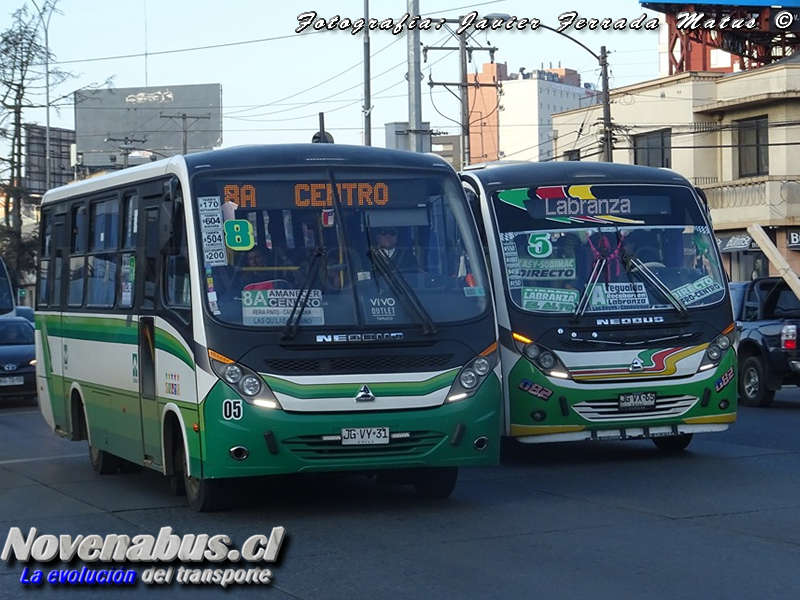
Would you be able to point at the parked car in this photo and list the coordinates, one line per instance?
(26, 312)
(17, 359)
(767, 312)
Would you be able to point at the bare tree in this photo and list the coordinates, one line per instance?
(22, 74)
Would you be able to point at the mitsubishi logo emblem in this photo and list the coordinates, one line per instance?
(636, 365)
(365, 395)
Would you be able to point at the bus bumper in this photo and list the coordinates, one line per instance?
(270, 441)
(544, 409)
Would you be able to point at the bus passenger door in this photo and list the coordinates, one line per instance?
(148, 396)
(52, 335)
(148, 403)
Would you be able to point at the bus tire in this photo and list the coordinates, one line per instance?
(103, 463)
(753, 383)
(176, 479)
(673, 443)
(203, 494)
(436, 482)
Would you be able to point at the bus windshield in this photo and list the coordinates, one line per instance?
(344, 247)
(600, 248)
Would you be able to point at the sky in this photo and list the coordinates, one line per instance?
(275, 82)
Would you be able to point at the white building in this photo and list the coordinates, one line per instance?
(514, 118)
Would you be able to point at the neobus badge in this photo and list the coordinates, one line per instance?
(358, 337)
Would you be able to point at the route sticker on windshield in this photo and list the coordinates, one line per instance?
(210, 212)
(697, 290)
(539, 245)
(546, 268)
(273, 307)
(549, 299)
(620, 296)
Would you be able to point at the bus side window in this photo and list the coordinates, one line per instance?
(130, 225)
(178, 284)
(78, 243)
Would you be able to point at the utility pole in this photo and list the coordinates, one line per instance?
(608, 147)
(185, 126)
(464, 53)
(46, 27)
(464, 94)
(367, 108)
(414, 84)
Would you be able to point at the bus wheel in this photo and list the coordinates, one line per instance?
(103, 463)
(176, 480)
(673, 443)
(203, 494)
(753, 383)
(436, 482)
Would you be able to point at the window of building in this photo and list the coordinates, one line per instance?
(753, 147)
(572, 154)
(653, 149)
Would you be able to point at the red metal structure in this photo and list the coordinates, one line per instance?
(755, 34)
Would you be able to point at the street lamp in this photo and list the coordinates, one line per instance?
(602, 60)
(46, 27)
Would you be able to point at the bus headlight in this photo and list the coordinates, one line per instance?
(468, 378)
(531, 351)
(716, 349)
(246, 382)
(232, 373)
(473, 374)
(545, 360)
(482, 366)
(251, 385)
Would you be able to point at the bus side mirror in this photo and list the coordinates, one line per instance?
(170, 220)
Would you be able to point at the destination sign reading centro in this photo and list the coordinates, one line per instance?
(317, 194)
(350, 194)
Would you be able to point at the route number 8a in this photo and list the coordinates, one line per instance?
(232, 410)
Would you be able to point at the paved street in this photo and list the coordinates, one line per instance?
(611, 521)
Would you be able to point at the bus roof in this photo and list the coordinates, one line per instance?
(570, 172)
(274, 155)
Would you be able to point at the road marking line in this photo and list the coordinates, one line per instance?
(23, 460)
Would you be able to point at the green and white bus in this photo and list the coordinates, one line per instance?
(614, 313)
(231, 314)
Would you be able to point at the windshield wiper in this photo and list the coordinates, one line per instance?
(300, 303)
(644, 271)
(400, 286)
(597, 268)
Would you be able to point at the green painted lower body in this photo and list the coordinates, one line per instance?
(441, 436)
(551, 407)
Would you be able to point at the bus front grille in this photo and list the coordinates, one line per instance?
(599, 411)
(614, 340)
(317, 447)
(359, 364)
